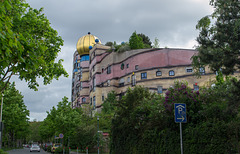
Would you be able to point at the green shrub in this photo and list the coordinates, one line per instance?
(124, 48)
(60, 150)
(49, 148)
(2, 152)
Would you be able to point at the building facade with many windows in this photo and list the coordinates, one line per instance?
(156, 69)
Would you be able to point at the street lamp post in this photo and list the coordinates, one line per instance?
(98, 131)
(1, 125)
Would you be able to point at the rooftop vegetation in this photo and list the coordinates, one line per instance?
(136, 41)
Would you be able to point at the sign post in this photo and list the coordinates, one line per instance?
(180, 116)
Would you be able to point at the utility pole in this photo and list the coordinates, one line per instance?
(1, 124)
(98, 132)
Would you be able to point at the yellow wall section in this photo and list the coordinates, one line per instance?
(85, 76)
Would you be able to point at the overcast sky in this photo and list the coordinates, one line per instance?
(171, 21)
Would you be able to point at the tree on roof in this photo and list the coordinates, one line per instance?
(135, 41)
(146, 40)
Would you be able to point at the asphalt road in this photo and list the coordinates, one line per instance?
(25, 151)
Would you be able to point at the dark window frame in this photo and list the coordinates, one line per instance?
(159, 72)
(109, 69)
(189, 70)
(133, 80)
(144, 75)
(136, 67)
(202, 70)
(102, 98)
(171, 73)
(94, 102)
(159, 91)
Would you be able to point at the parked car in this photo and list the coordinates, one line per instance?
(35, 147)
(55, 146)
(46, 145)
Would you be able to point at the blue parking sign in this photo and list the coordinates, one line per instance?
(180, 112)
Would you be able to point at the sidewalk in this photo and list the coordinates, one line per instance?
(73, 152)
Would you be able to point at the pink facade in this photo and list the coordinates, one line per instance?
(84, 64)
(123, 65)
(145, 60)
(85, 84)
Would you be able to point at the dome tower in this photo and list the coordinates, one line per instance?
(85, 43)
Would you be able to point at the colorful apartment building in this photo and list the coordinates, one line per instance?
(98, 71)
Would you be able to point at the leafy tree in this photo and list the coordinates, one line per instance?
(144, 122)
(64, 120)
(34, 134)
(156, 43)
(219, 42)
(109, 44)
(15, 117)
(48, 127)
(84, 136)
(146, 40)
(135, 41)
(28, 45)
(109, 104)
(126, 125)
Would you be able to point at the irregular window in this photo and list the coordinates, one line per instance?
(171, 73)
(159, 90)
(144, 75)
(133, 80)
(202, 70)
(108, 69)
(136, 67)
(158, 73)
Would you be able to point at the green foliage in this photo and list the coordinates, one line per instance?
(15, 116)
(109, 104)
(49, 148)
(34, 134)
(127, 124)
(109, 44)
(84, 136)
(2, 152)
(156, 43)
(124, 48)
(219, 41)
(146, 40)
(28, 45)
(135, 41)
(118, 47)
(144, 122)
(60, 150)
(64, 120)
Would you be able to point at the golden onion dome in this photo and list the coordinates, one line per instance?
(86, 43)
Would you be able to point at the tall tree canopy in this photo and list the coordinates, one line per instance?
(146, 40)
(15, 116)
(28, 45)
(62, 119)
(135, 41)
(219, 42)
